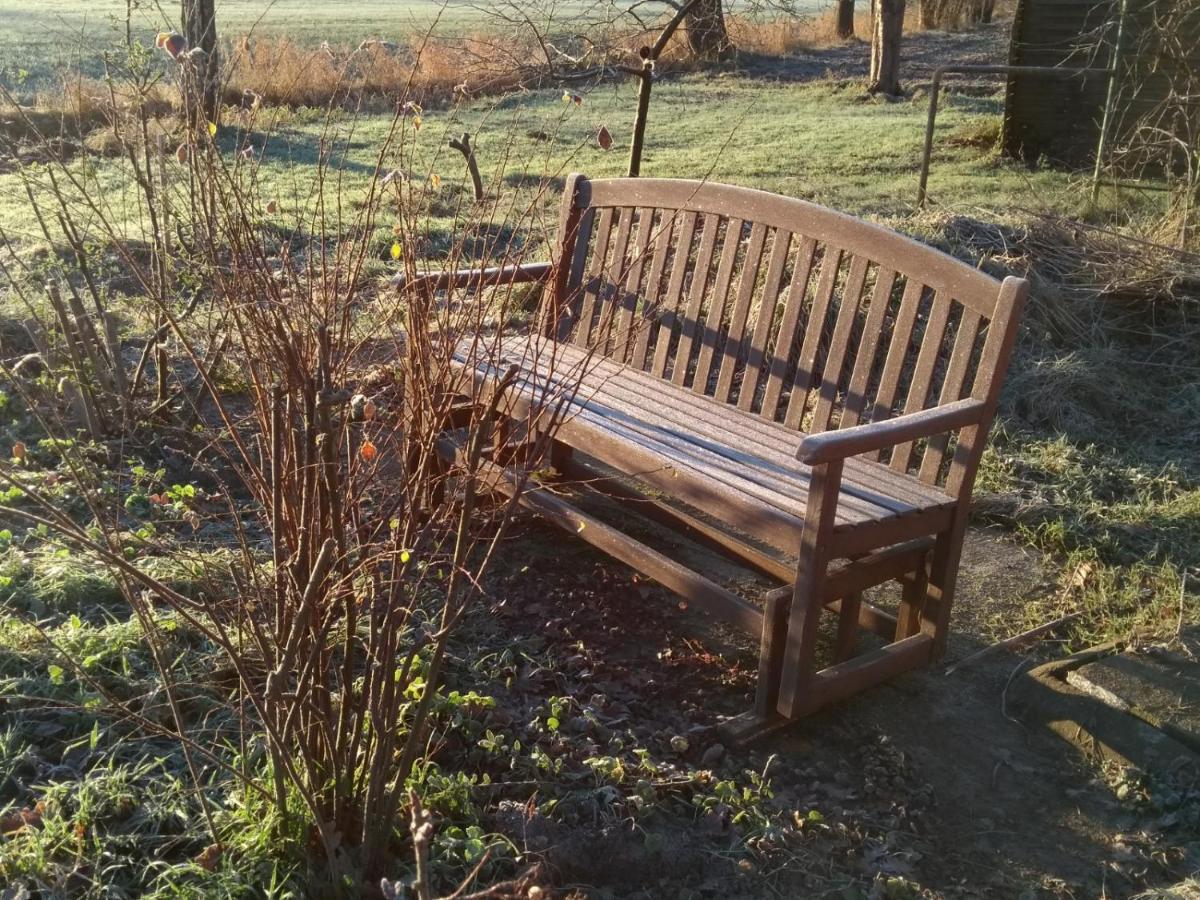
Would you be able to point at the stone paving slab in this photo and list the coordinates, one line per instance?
(1131, 707)
(1158, 686)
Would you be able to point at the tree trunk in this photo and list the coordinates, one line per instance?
(845, 19)
(200, 30)
(886, 34)
(706, 33)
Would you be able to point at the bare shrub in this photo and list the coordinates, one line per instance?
(428, 70)
(1156, 113)
(777, 37)
(350, 550)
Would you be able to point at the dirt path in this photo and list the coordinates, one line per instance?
(922, 782)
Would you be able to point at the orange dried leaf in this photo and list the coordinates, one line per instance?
(368, 451)
(22, 818)
(209, 858)
(19, 450)
(604, 138)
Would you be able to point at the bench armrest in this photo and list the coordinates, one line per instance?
(846, 442)
(525, 273)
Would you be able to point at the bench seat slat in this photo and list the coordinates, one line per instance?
(688, 412)
(719, 468)
(772, 444)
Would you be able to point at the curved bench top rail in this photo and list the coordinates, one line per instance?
(933, 268)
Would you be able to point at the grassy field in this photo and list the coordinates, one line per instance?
(45, 37)
(40, 40)
(576, 724)
(822, 142)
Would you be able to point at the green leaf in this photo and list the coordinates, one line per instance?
(552, 723)
(56, 673)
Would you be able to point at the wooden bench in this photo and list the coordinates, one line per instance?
(803, 391)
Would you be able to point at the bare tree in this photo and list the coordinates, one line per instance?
(845, 19)
(580, 41)
(199, 20)
(707, 36)
(886, 34)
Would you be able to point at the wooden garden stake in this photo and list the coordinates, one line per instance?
(463, 146)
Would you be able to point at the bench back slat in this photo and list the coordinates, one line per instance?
(590, 284)
(839, 344)
(789, 327)
(872, 334)
(690, 326)
(673, 298)
(661, 237)
(796, 313)
(929, 353)
(814, 331)
(734, 349)
(757, 354)
(714, 310)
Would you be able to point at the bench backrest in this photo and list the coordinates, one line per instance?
(785, 309)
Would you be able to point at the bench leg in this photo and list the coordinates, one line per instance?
(770, 654)
(763, 718)
(943, 576)
(798, 666)
(912, 603)
(847, 631)
(808, 593)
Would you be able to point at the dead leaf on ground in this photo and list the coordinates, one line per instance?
(209, 858)
(22, 818)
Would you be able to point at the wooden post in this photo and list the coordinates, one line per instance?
(463, 146)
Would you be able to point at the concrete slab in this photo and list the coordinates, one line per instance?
(1158, 686)
(1117, 704)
